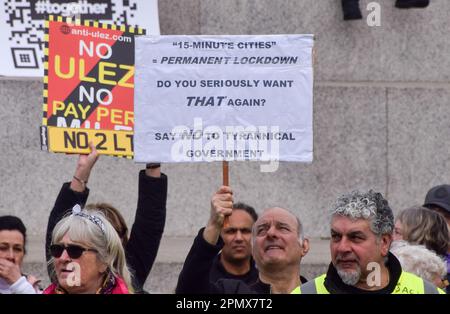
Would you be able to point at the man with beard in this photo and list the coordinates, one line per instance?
(361, 235)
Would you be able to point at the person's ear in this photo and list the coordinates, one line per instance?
(385, 244)
(103, 268)
(305, 246)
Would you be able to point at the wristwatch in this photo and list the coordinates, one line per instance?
(153, 165)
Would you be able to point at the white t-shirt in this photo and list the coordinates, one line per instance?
(21, 286)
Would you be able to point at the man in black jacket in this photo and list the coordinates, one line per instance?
(278, 247)
(223, 247)
(143, 243)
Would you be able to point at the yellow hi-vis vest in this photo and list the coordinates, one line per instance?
(407, 284)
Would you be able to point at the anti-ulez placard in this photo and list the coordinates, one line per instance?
(88, 87)
(212, 98)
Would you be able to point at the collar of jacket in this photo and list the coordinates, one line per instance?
(252, 273)
(334, 283)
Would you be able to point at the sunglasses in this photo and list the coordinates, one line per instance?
(74, 251)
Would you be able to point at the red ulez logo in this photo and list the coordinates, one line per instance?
(65, 29)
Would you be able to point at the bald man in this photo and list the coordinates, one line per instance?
(278, 247)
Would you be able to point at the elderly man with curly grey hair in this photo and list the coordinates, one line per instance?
(361, 234)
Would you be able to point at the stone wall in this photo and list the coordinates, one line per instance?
(381, 120)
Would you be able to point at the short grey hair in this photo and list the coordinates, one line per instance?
(419, 260)
(368, 205)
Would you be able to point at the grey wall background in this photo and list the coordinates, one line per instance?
(381, 121)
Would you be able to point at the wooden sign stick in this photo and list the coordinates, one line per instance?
(226, 183)
(225, 173)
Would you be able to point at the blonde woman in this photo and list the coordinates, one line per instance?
(87, 256)
(419, 225)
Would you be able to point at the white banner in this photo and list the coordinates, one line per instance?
(22, 26)
(209, 98)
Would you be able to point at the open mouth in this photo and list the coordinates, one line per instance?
(273, 247)
(66, 271)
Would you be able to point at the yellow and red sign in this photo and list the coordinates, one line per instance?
(88, 87)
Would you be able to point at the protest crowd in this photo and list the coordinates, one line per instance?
(90, 250)
(240, 249)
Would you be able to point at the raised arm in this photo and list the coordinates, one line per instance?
(148, 226)
(221, 207)
(194, 277)
(71, 193)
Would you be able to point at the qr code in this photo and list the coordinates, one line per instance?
(26, 22)
(125, 15)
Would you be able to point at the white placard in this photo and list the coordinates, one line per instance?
(22, 26)
(209, 98)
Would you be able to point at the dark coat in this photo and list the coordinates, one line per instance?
(204, 258)
(203, 273)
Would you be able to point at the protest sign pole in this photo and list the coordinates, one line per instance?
(226, 183)
(225, 172)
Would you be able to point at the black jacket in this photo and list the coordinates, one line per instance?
(146, 231)
(334, 283)
(204, 258)
(231, 286)
(203, 273)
